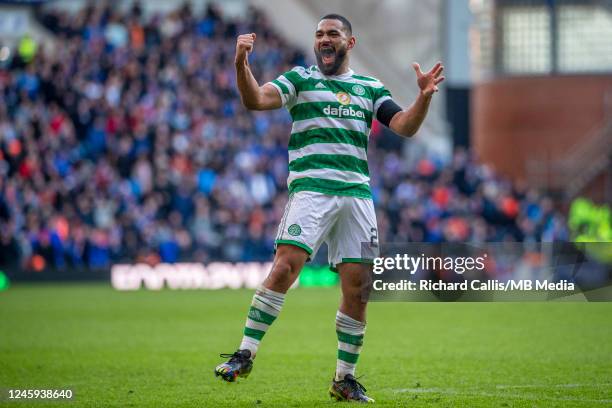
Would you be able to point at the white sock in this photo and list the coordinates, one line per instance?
(350, 339)
(265, 307)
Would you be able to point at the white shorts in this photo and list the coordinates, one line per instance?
(343, 222)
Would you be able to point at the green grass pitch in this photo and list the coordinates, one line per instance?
(158, 349)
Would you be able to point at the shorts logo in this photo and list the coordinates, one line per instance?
(359, 90)
(294, 230)
(343, 98)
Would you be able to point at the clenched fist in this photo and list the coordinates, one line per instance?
(244, 45)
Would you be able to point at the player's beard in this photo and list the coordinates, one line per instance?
(339, 55)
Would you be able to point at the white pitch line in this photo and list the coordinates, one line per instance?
(424, 390)
(475, 393)
(504, 386)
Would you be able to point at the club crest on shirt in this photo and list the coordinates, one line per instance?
(343, 98)
(358, 90)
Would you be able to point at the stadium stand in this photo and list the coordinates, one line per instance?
(128, 143)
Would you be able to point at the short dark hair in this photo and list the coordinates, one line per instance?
(345, 23)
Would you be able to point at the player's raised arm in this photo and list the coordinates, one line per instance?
(407, 122)
(252, 95)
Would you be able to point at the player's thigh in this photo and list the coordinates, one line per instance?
(307, 220)
(355, 235)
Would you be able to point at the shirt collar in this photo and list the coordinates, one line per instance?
(346, 75)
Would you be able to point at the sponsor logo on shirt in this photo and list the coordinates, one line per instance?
(343, 98)
(343, 112)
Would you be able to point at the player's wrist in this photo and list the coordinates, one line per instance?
(425, 94)
(241, 61)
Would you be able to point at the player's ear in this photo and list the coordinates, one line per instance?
(351, 42)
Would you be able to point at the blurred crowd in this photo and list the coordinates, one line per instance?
(128, 142)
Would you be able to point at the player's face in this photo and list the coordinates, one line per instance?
(332, 43)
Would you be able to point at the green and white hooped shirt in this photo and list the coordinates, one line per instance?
(332, 117)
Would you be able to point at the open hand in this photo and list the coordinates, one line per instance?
(428, 82)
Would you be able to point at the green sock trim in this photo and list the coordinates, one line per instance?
(256, 334)
(350, 338)
(260, 316)
(348, 357)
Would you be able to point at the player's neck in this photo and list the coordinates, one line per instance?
(342, 70)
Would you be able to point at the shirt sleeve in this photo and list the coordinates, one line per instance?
(286, 86)
(381, 95)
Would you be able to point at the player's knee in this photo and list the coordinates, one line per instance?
(355, 284)
(283, 273)
(352, 293)
(290, 260)
(282, 269)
